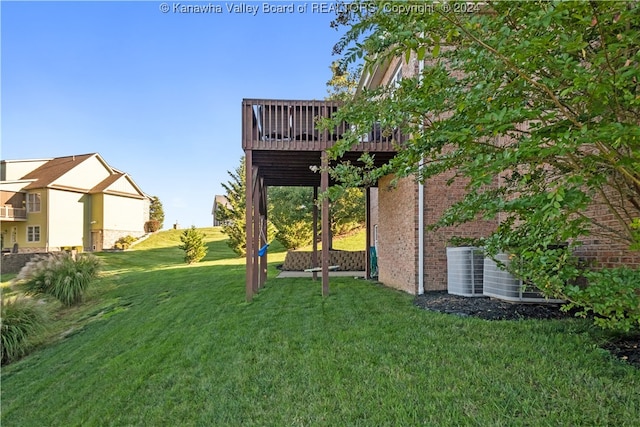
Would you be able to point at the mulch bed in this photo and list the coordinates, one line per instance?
(625, 348)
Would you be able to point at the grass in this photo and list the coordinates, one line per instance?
(163, 343)
(353, 241)
(22, 319)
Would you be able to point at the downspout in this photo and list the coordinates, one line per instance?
(420, 209)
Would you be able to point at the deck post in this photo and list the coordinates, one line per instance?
(324, 185)
(367, 224)
(256, 229)
(314, 257)
(249, 223)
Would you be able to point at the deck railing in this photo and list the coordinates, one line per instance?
(292, 125)
(11, 213)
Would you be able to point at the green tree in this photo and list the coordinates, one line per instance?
(347, 211)
(343, 83)
(291, 211)
(543, 95)
(193, 245)
(232, 217)
(156, 215)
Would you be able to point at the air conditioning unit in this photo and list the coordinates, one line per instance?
(464, 271)
(499, 283)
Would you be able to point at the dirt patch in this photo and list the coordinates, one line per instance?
(487, 308)
(626, 348)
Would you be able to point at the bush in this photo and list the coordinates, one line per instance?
(152, 226)
(193, 245)
(295, 234)
(124, 242)
(21, 320)
(60, 275)
(612, 295)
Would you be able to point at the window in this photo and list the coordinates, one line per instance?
(33, 233)
(397, 77)
(33, 202)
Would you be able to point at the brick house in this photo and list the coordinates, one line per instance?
(410, 257)
(74, 202)
(404, 210)
(283, 147)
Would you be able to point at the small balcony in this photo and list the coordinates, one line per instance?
(9, 213)
(290, 125)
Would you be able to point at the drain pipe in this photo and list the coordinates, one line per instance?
(420, 237)
(420, 210)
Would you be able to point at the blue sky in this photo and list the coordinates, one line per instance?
(158, 95)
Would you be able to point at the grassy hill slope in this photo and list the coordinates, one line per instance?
(159, 342)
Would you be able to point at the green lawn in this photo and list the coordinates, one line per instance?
(160, 343)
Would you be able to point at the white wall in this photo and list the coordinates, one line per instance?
(124, 213)
(122, 185)
(85, 175)
(14, 170)
(67, 218)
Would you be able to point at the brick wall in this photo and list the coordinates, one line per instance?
(398, 234)
(438, 197)
(603, 250)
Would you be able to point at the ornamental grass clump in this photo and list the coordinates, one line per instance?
(21, 320)
(61, 276)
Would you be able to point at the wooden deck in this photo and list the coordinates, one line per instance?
(284, 147)
(286, 125)
(285, 140)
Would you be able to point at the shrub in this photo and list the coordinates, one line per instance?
(152, 226)
(294, 234)
(21, 320)
(124, 242)
(612, 295)
(60, 275)
(193, 245)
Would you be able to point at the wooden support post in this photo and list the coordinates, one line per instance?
(324, 185)
(256, 230)
(249, 223)
(314, 257)
(367, 223)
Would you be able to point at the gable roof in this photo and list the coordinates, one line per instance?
(106, 183)
(54, 169)
(48, 173)
(103, 187)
